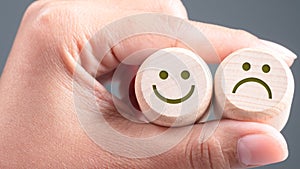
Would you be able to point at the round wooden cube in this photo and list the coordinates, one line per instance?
(254, 85)
(174, 87)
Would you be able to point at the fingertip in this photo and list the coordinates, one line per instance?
(261, 149)
(226, 41)
(257, 144)
(284, 53)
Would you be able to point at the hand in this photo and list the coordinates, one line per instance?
(38, 123)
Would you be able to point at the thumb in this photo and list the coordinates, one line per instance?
(226, 144)
(233, 145)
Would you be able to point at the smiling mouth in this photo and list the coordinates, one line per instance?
(253, 79)
(173, 101)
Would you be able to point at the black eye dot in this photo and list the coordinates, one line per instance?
(163, 75)
(246, 66)
(185, 74)
(266, 68)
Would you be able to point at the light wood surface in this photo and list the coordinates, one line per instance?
(254, 85)
(174, 87)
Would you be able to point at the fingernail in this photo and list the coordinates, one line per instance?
(282, 51)
(260, 149)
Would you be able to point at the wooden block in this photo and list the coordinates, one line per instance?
(174, 87)
(254, 85)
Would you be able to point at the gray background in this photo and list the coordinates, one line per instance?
(275, 20)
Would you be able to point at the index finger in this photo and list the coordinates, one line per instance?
(123, 38)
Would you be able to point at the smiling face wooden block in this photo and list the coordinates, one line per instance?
(173, 87)
(254, 85)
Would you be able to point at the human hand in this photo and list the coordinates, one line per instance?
(38, 120)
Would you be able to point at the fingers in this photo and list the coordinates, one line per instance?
(233, 145)
(42, 15)
(66, 27)
(226, 41)
(215, 42)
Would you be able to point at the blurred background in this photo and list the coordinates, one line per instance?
(274, 20)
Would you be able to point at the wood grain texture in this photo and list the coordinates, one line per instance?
(254, 85)
(174, 87)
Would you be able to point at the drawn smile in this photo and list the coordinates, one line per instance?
(253, 79)
(173, 101)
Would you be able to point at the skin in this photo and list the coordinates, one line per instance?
(38, 123)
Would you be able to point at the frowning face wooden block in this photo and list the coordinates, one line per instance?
(173, 87)
(254, 85)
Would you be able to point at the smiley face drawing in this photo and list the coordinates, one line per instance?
(173, 87)
(164, 75)
(254, 85)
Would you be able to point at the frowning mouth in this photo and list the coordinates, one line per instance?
(173, 101)
(256, 80)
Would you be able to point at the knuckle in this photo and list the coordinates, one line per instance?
(44, 22)
(49, 19)
(45, 14)
(34, 8)
(35, 5)
(207, 155)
